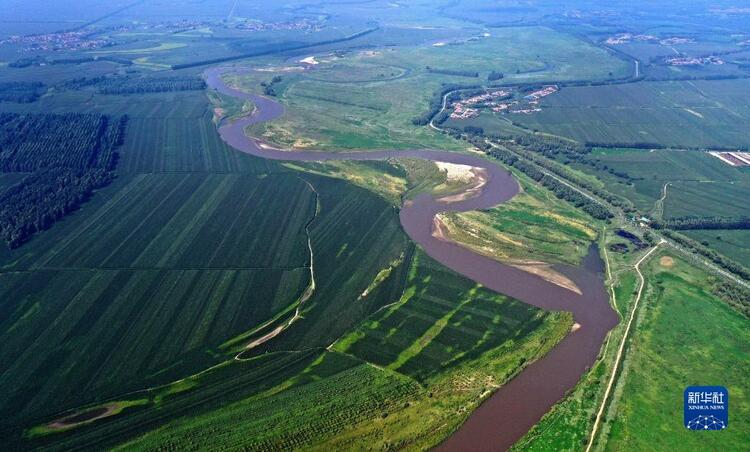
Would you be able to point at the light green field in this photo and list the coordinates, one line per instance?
(685, 336)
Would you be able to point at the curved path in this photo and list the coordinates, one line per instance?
(519, 404)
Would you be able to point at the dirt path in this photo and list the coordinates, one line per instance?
(309, 290)
(658, 211)
(618, 358)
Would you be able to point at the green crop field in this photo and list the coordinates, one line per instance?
(338, 400)
(699, 184)
(677, 114)
(735, 244)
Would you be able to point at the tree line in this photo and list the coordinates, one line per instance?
(68, 156)
(150, 85)
(693, 222)
(560, 190)
(21, 92)
(453, 72)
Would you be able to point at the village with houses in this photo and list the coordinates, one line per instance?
(501, 101)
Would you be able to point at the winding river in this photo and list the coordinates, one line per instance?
(513, 409)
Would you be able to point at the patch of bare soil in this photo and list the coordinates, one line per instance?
(666, 261)
(546, 272)
(83, 416)
(476, 178)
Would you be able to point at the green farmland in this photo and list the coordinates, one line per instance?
(676, 114)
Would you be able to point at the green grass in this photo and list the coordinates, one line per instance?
(686, 337)
(678, 114)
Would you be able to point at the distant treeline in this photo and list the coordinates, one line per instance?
(456, 73)
(150, 85)
(26, 62)
(68, 157)
(692, 222)
(276, 49)
(560, 190)
(494, 75)
(21, 92)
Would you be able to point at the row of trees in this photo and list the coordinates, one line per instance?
(150, 85)
(68, 157)
(21, 92)
(453, 72)
(494, 75)
(693, 222)
(735, 295)
(560, 190)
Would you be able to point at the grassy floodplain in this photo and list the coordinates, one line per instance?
(366, 98)
(532, 227)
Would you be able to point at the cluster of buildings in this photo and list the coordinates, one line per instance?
(501, 101)
(624, 38)
(694, 61)
(299, 24)
(463, 108)
(733, 158)
(67, 40)
(534, 97)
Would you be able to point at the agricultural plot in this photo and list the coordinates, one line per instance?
(715, 198)
(122, 330)
(675, 114)
(338, 401)
(734, 244)
(438, 323)
(640, 176)
(189, 221)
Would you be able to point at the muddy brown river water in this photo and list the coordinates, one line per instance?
(513, 409)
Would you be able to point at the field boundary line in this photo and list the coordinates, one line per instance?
(618, 358)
